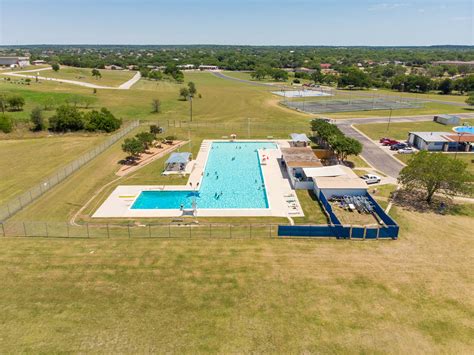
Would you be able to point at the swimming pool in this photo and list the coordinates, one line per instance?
(231, 179)
(464, 129)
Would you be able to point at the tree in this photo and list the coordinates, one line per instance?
(3, 102)
(37, 119)
(316, 76)
(55, 66)
(279, 74)
(133, 146)
(154, 129)
(344, 146)
(155, 75)
(96, 73)
(146, 138)
(470, 99)
(102, 120)
(66, 118)
(6, 124)
(15, 102)
(192, 89)
(155, 106)
(184, 93)
(446, 86)
(436, 172)
(260, 72)
(354, 77)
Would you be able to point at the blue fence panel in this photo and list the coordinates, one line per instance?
(328, 208)
(371, 233)
(306, 231)
(381, 213)
(389, 232)
(357, 233)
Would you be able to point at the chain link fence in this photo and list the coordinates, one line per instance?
(115, 230)
(16, 204)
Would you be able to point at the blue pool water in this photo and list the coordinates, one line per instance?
(232, 179)
(464, 129)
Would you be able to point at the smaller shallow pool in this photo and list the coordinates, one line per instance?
(464, 129)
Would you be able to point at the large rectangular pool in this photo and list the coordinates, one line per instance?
(231, 179)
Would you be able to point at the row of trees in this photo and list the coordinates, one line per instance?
(264, 71)
(247, 57)
(171, 71)
(142, 141)
(69, 118)
(329, 134)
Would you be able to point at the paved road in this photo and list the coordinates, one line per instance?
(372, 152)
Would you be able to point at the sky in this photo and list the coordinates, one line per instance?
(238, 22)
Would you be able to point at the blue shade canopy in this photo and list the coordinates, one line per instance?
(178, 158)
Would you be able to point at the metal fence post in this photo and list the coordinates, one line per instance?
(24, 229)
(169, 230)
(230, 231)
(210, 230)
(87, 228)
(128, 228)
(250, 230)
(67, 228)
(3, 230)
(149, 230)
(46, 228)
(190, 236)
(108, 231)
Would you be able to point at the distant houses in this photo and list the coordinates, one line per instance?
(14, 62)
(456, 63)
(39, 62)
(441, 141)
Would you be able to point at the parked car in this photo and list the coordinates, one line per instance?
(381, 140)
(390, 142)
(407, 150)
(398, 146)
(370, 179)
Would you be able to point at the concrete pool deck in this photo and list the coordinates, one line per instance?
(281, 197)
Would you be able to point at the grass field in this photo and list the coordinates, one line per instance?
(25, 162)
(400, 130)
(109, 77)
(466, 157)
(227, 296)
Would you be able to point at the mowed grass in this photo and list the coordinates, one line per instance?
(26, 162)
(109, 77)
(400, 130)
(242, 295)
(468, 158)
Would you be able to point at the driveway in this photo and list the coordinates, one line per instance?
(375, 154)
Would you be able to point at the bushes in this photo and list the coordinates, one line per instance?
(6, 124)
(102, 120)
(69, 118)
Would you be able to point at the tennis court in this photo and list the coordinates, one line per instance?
(349, 105)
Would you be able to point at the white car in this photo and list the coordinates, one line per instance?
(406, 150)
(370, 179)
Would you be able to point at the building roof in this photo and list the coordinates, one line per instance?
(340, 182)
(328, 171)
(296, 157)
(299, 137)
(465, 137)
(430, 137)
(179, 158)
(448, 116)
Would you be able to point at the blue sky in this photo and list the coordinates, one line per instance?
(258, 22)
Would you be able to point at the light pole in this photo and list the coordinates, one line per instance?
(459, 142)
(389, 118)
(248, 127)
(191, 108)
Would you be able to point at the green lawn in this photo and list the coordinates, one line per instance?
(466, 157)
(26, 162)
(400, 130)
(109, 77)
(241, 295)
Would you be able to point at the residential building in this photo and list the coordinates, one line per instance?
(14, 62)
